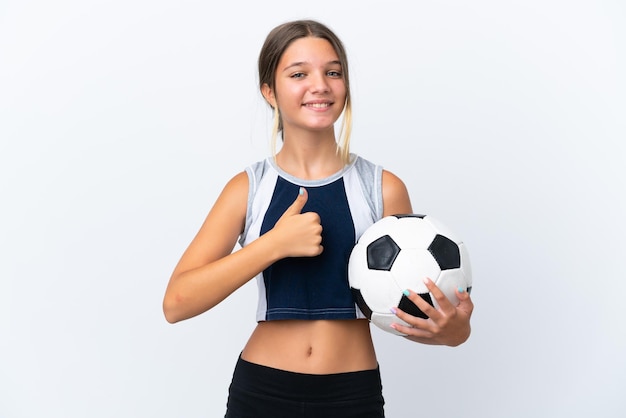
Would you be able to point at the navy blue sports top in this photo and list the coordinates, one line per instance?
(347, 202)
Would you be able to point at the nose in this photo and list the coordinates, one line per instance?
(319, 83)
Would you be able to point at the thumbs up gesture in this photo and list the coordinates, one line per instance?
(299, 234)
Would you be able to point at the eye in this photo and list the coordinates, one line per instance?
(297, 75)
(334, 73)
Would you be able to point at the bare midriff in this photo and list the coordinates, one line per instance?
(315, 347)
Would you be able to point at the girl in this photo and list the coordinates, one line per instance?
(297, 215)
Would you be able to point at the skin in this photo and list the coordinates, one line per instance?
(310, 94)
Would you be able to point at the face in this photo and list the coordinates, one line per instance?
(309, 88)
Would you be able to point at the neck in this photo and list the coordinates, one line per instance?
(310, 156)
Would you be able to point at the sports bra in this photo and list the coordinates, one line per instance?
(347, 202)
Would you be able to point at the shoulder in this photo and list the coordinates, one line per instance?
(256, 171)
(393, 191)
(234, 196)
(238, 184)
(367, 170)
(392, 183)
(242, 187)
(244, 181)
(395, 195)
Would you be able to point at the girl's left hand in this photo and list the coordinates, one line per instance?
(448, 325)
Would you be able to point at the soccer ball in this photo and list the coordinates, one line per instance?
(397, 253)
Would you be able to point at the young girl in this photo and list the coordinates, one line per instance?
(297, 216)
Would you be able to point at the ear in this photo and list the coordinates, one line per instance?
(268, 94)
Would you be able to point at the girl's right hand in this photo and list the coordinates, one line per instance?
(299, 234)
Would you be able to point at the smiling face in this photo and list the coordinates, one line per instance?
(309, 88)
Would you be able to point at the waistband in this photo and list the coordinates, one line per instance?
(269, 381)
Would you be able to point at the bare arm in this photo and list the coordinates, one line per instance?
(209, 271)
(448, 325)
(395, 196)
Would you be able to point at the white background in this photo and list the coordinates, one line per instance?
(120, 122)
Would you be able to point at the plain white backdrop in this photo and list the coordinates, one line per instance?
(120, 122)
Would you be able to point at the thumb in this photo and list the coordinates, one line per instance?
(465, 302)
(298, 204)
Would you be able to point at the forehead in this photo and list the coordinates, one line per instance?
(309, 50)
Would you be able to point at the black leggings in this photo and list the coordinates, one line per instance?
(258, 391)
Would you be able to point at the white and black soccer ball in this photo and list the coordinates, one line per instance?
(397, 253)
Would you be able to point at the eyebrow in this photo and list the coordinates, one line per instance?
(301, 63)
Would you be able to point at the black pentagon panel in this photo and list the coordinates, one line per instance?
(446, 252)
(409, 307)
(358, 298)
(409, 215)
(381, 253)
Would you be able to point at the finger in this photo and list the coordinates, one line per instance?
(465, 301)
(298, 204)
(423, 305)
(413, 321)
(442, 300)
(411, 331)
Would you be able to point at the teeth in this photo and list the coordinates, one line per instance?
(318, 105)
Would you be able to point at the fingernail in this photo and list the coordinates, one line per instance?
(301, 191)
(461, 290)
(393, 310)
(406, 293)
